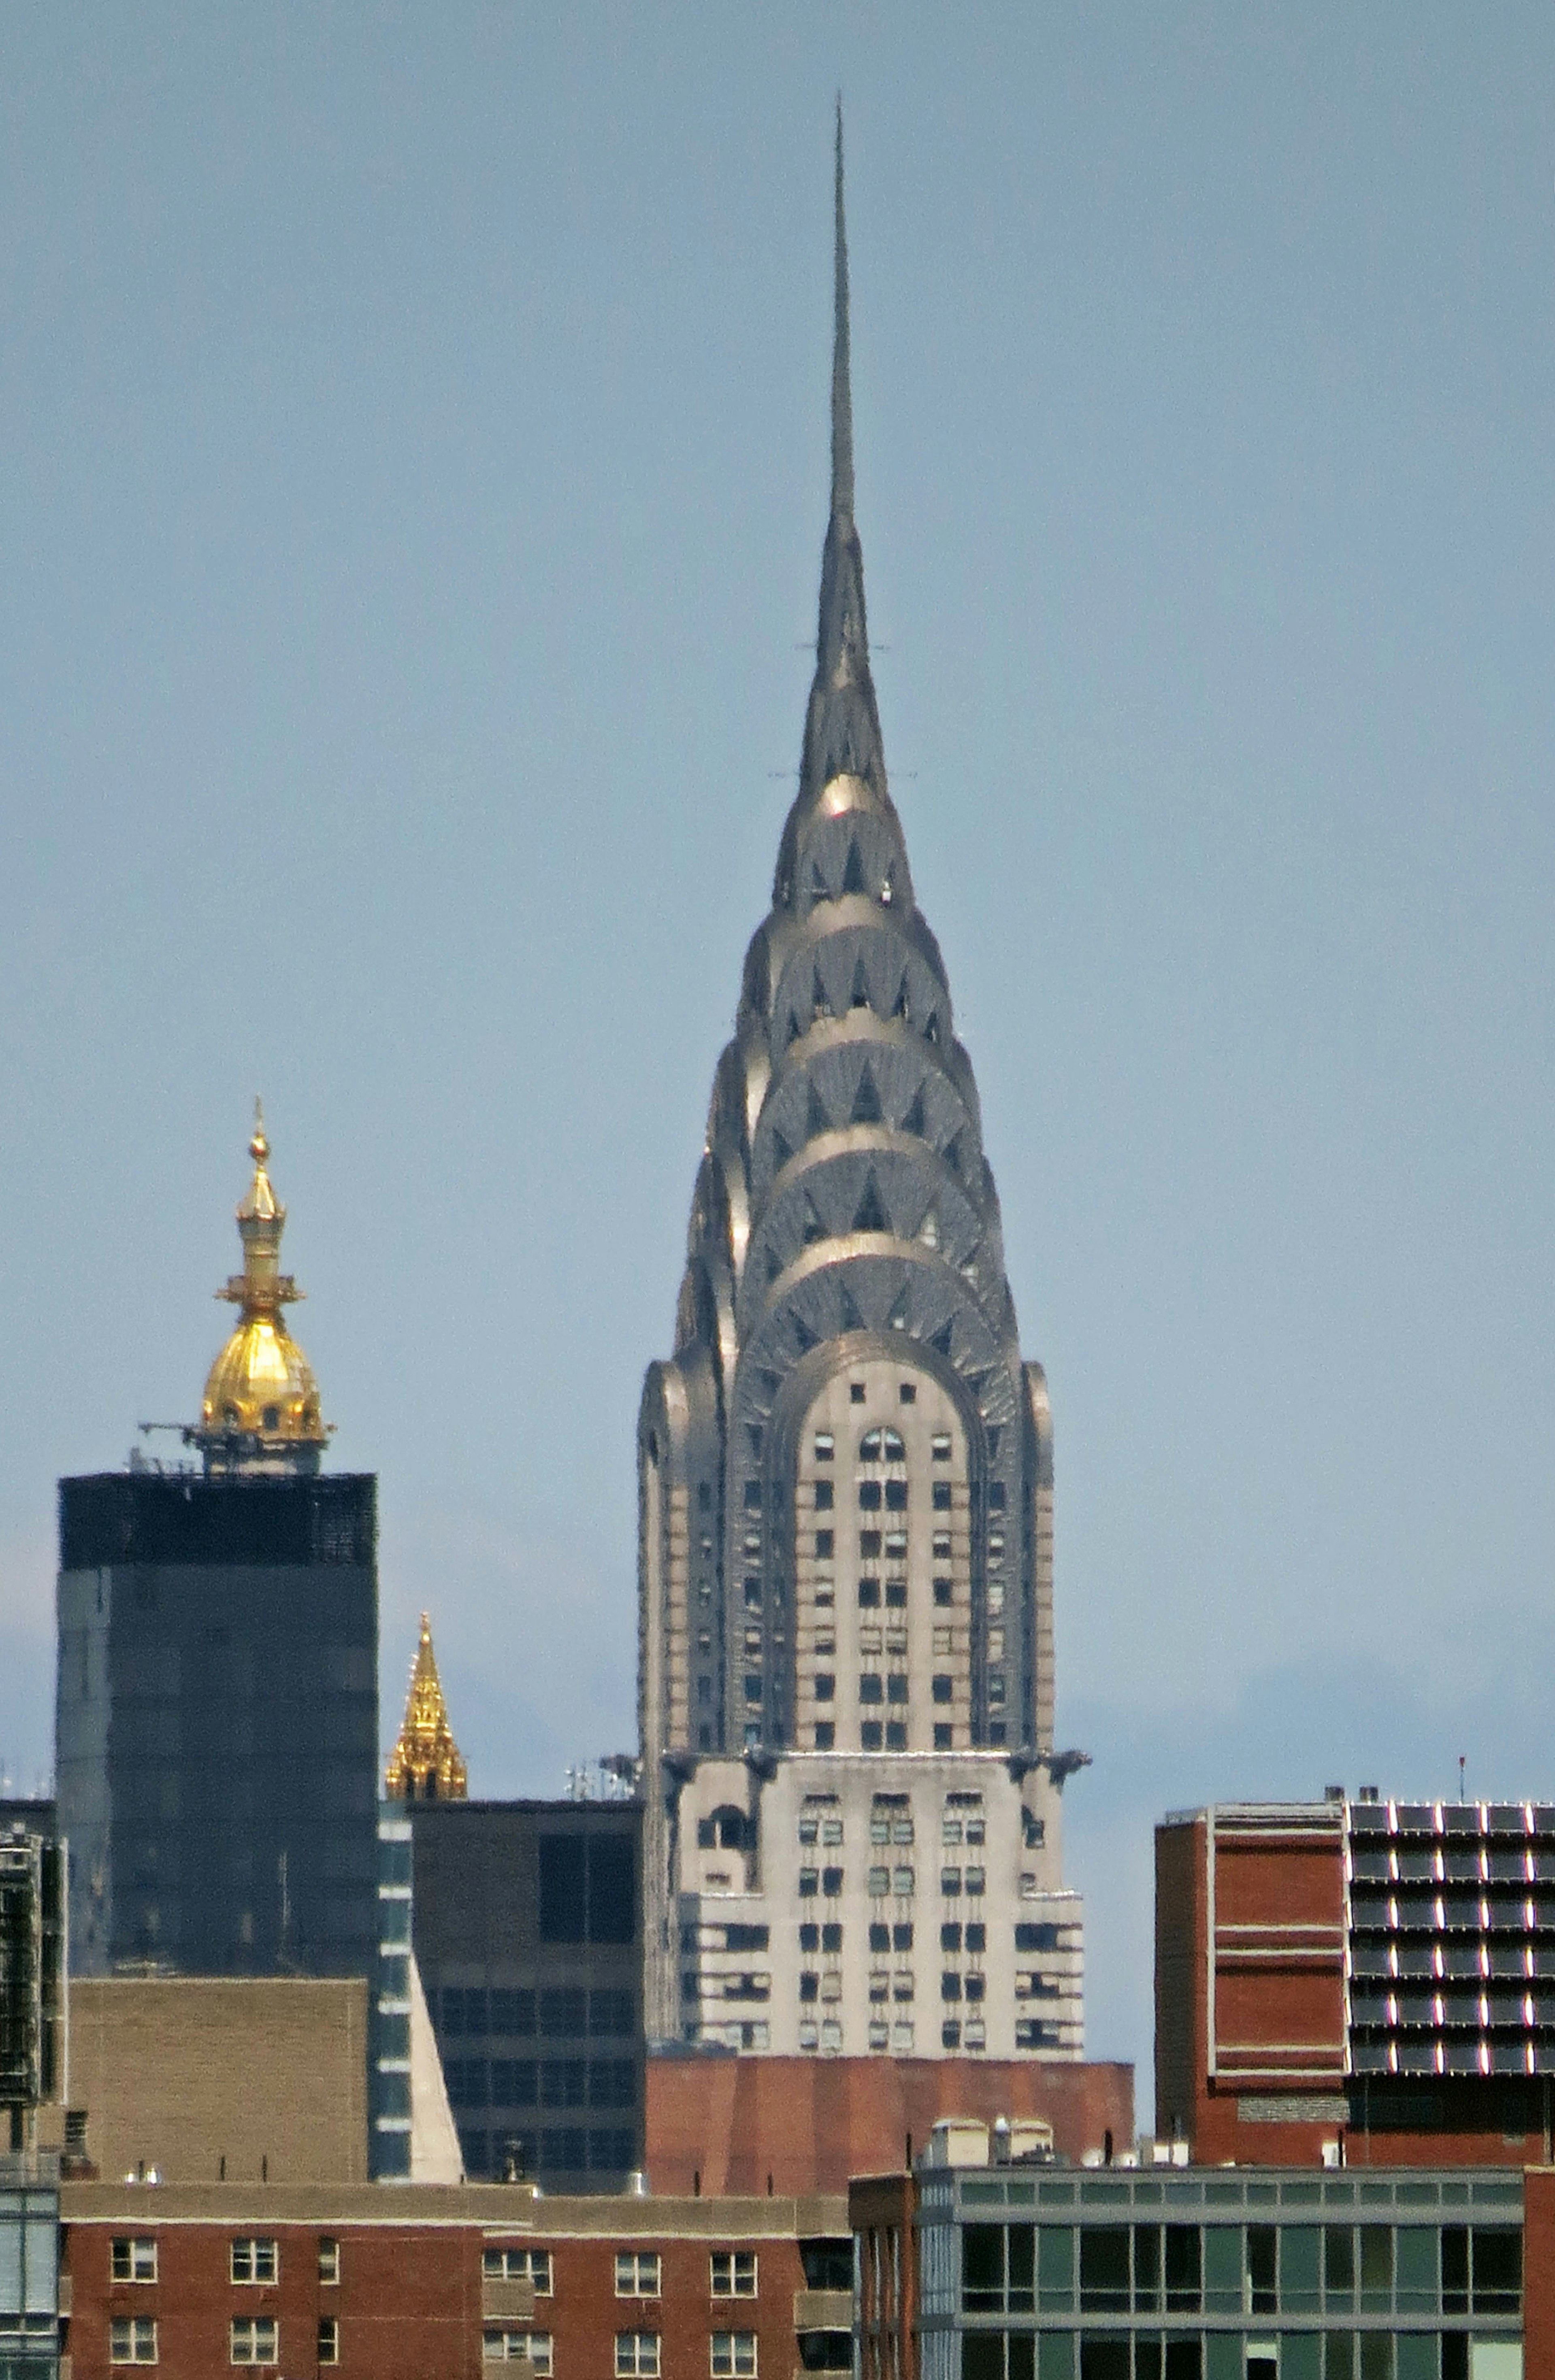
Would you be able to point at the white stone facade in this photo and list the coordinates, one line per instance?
(848, 1904)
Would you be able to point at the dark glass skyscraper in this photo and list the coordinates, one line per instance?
(216, 1715)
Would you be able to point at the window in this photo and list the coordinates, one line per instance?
(996, 1496)
(329, 2260)
(825, 1686)
(902, 1882)
(943, 1735)
(855, 1391)
(825, 1446)
(733, 2354)
(134, 2259)
(942, 1495)
(868, 1594)
(809, 1987)
(871, 1734)
(531, 2264)
(901, 1831)
(949, 1882)
(976, 1877)
(825, 1542)
(896, 1495)
(940, 1446)
(254, 2260)
(637, 2276)
(831, 1938)
(950, 2036)
(908, 1393)
(809, 1938)
(941, 1688)
(868, 1545)
(252, 2338)
(733, 2273)
(753, 1495)
(825, 1734)
(880, 1885)
(823, 1495)
(896, 1686)
(949, 1987)
(976, 1937)
(132, 2336)
(870, 1688)
(831, 1882)
(636, 2355)
(531, 2347)
(868, 1495)
(880, 1982)
(329, 2339)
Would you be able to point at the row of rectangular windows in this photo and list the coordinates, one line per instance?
(566, 2012)
(900, 1937)
(1501, 1963)
(883, 1881)
(1225, 2355)
(251, 2339)
(1226, 2269)
(248, 2259)
(731, 2273)
(886, 1828)
(554, 2083)
(1031, 2032)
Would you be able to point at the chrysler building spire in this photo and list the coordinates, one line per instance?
(845, 1466)
(842, 373)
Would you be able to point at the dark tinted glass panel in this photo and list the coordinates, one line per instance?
(1021, 2251)
(612, 1889)
(982, 2267)
(563, 1887)
(1104, 2268)
(828, 2264)
(1184, 2271)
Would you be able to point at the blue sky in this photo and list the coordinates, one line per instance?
(415, 472)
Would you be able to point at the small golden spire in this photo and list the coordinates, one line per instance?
(425, 1765)
(261, 1406)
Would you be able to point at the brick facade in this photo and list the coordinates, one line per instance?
(410, 2288)
(807, 2123)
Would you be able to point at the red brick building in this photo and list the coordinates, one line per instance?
(1361, 1980)
(742, 2124)
(415, 2283)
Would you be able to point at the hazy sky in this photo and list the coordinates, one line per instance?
(414, 479)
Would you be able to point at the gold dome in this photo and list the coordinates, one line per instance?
(425, 1765)
(261, 1388)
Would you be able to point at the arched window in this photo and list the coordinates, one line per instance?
(895, 1450)
(725, 1830)
(870, 1447)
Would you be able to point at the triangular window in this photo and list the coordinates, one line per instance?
(941, 1342)
(914, 1119)
(851, 1319)
(861, 985)
(866, 1098)
(814, 1228)
(804, 1337)
(993, 1438)
(774, 1265)
(816, 1118)
(820, 1004)
(780, 1152)
(900, 1007)
(753, 1432)
(953, 1154)
(931, 1030)
(929, 1230)
(888, 888)
(871, 1215)
(853, 874)
(793, 1026)
(897, 1317)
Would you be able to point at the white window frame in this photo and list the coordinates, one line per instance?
(139, 2260)
(247, 2342)
(636, 2355)
(639, 2273)
(532, 2347)
(732, 2355)
(740, 2276)
(329, 2263)
(329, 2339)
(251, 2253)
(132, 2339)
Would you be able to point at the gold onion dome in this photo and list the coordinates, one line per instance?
(425, 1765)
(261, 1388)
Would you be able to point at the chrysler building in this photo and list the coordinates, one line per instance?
(846, 1668)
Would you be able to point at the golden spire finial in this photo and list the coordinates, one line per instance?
(425, 1765)
(261, 1406)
